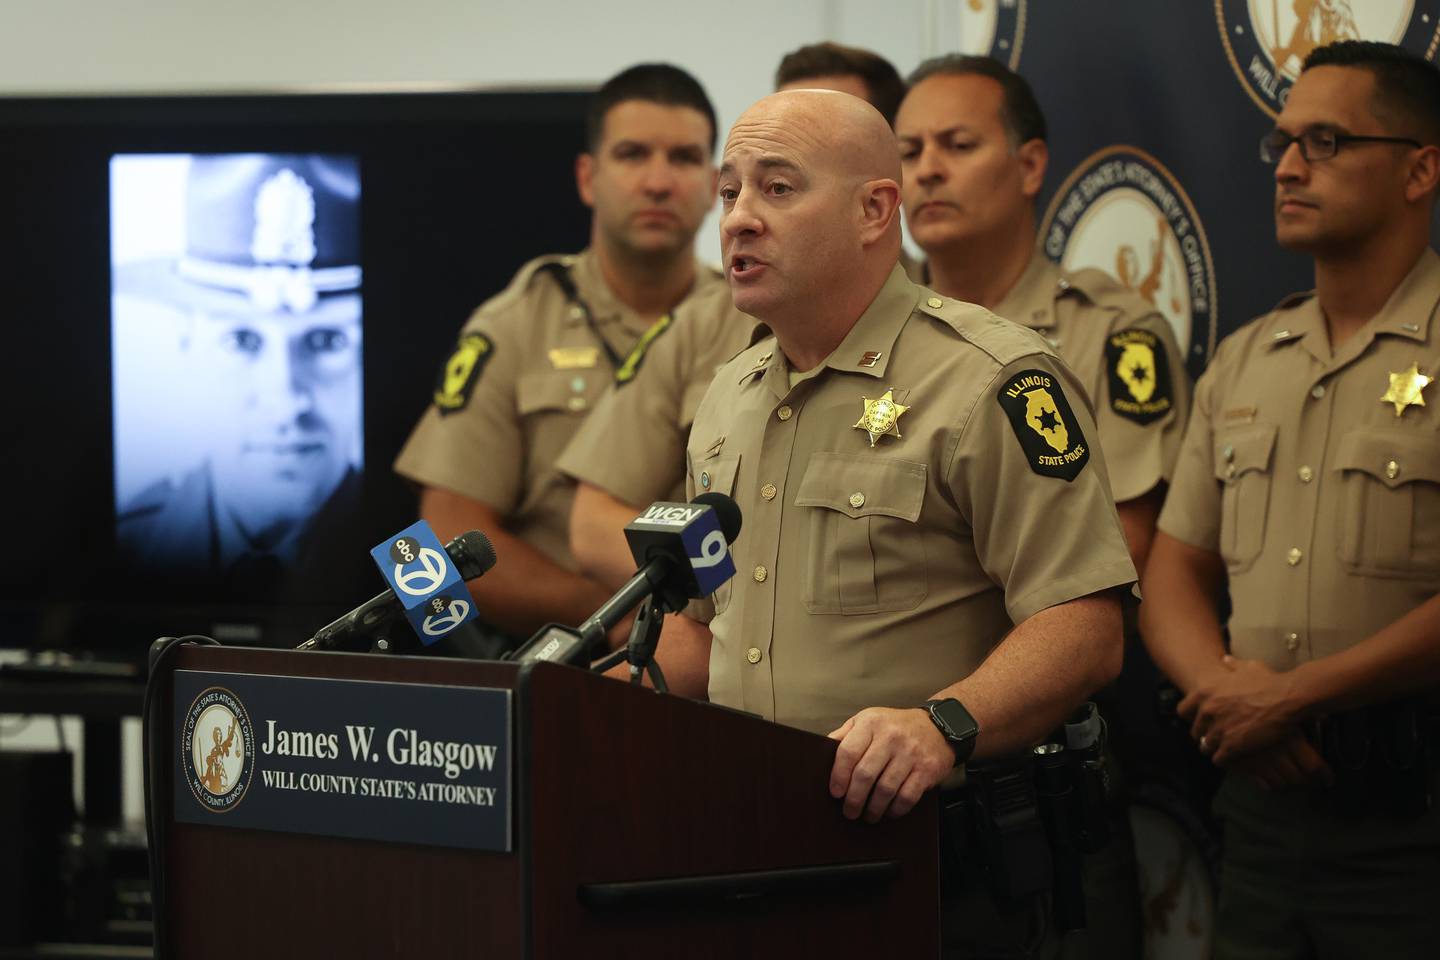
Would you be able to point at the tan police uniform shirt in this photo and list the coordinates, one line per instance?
(633, 445)
(880, 563)
(527, 370)
(1124, 352)
(1315, 473)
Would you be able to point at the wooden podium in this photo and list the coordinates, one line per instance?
(645, 825)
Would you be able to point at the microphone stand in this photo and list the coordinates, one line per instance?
(640, 649)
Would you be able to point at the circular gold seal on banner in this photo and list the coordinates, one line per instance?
(217, 749)
(1122, 211)
(993, 28)
(1268, 40)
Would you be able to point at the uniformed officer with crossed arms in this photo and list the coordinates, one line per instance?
(533, 360)
(1309, 484)
(930, 558)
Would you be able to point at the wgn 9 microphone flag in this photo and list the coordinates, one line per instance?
(416, 567)
(702, 538)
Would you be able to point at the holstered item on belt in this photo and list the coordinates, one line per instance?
(1085, 736)
(996, 818)
(1384, 758)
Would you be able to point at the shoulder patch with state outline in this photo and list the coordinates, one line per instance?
(461, 371)
(1139, 374)
(1044, 423)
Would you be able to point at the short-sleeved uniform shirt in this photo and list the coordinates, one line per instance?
(932, 483)
(633, 445)
(1125, 353)
(1315, 473)
(529, 366)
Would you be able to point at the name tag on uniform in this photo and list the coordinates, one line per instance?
(574, 358)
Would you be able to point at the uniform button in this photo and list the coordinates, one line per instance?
(1306, 474)
(1392, 470)
(753, 654)
(1292, 641)
(761, 573)
(1228, 452)
(1318, 391)
(768, 491)
(1063, 284)
(578, 384)
(1293, 557)
(575, 403)
(577, 313)
(935, 303)
(1230, 472)
(785, 413)
(857, 500)
(705, 479)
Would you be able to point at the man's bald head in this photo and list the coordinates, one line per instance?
(809, 182)
(846, 129)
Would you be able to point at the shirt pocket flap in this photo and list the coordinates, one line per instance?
(717, 474)
(1239, 451)
(550, 390)
(863, 486)
(1391, 458)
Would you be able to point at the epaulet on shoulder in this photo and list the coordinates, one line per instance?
(526, 277)
(1000, 338)
(1103, 290)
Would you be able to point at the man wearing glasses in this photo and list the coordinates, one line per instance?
(1309, 481)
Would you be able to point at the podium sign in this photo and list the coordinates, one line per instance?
(370, 760)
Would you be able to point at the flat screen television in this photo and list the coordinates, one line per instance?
(223, 314)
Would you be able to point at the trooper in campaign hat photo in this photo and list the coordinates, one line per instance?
(236, 320)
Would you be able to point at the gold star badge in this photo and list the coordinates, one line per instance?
(880, 416)
(1405, 389)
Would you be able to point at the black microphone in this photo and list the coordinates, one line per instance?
(472, 555)
(682, 552)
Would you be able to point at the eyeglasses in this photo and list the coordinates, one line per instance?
(1317, 143)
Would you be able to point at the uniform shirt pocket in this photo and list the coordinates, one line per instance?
(1242, 465)
(557, 391)
(1390, 503)
(864, 551)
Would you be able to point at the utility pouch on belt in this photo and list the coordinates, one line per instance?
(1004, 824)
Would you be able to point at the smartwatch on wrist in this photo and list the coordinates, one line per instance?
(954, 723)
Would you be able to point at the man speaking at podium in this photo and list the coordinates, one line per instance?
(930, 561)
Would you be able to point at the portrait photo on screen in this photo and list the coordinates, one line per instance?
(236, 361)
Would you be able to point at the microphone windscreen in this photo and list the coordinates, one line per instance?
(472, 553)
(727, 512)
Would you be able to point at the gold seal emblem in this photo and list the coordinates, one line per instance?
(1405, 389)
(881, 416)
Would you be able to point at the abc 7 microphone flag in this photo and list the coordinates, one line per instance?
(416, 567)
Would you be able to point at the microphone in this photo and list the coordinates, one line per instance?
(472, 555)
(682, 552)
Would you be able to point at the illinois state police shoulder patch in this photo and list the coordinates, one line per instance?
(457, 378)
(1139, 375)
(1044, 424)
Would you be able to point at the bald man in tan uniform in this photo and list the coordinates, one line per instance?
(1309, 481)
(531, 362)
(631, 451)
(926, 517)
